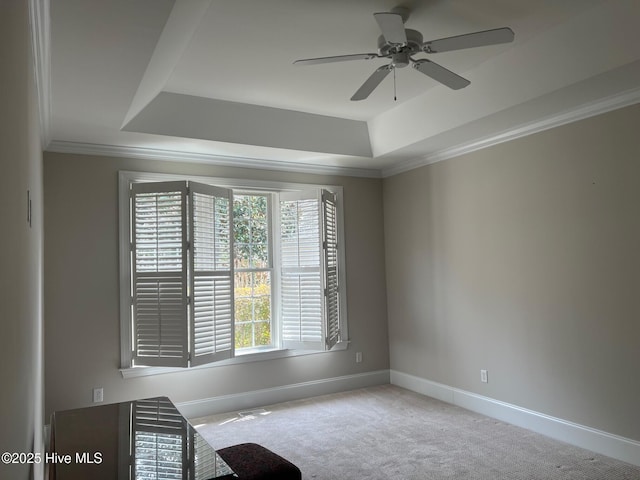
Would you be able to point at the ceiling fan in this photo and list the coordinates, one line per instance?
(399, 45)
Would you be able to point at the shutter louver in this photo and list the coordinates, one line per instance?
(330, 247)
(159, 274)
(301, 281)
(212, 332)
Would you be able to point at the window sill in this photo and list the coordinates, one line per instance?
(258, 356)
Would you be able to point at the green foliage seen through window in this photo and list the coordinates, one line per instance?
(252, 283)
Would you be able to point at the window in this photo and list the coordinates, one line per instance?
(220, 273)
(253, 265)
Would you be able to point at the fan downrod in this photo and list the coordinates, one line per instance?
(404, 12)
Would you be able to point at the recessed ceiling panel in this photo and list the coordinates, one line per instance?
(188, 116)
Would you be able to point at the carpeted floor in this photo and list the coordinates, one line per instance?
(387, 432)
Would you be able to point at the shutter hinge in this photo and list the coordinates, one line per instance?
(131, 299)
(131, 246)
(325, 292)
(188, 300)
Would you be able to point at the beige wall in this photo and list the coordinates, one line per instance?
(524, 259)
(21, 329)
(81, 289)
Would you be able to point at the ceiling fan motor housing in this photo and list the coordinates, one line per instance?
(413, 45)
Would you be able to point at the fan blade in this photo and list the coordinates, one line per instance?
(440, 74)
(339, 58)
(371, 83)
(470, 40)
(392, 27)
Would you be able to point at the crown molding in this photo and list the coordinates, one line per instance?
(39, 24)
(219, 160)
(613, 102)
(591, 109)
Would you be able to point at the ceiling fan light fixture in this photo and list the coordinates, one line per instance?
(400, 60)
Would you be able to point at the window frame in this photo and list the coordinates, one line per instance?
(126, 178)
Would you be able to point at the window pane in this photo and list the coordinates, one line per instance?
(258, 231)
(252, 309)
(241, 254)
(263, 334)
(260, 256)
(251, 231)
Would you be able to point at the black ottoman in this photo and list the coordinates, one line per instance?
(251, 461)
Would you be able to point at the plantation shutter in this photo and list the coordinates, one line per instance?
(330, 255)
(301, 279)
(159, 264)
(211, 282)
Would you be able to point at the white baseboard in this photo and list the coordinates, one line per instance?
(285, 393)
(605, 443)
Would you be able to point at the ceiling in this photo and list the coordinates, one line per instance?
(214, 81)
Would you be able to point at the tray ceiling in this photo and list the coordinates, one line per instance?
(215, 80)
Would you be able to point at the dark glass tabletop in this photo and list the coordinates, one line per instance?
(139, 440)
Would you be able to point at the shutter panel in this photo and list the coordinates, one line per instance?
(159, 264)
(212, 332)
(330, 248)
(301, 303)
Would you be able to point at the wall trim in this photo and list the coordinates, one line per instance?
(615, 446)
(210, 159)
(285, 393)
(581, 112)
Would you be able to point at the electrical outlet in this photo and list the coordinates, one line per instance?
(98, 395)
(484, 376)
(358, 357)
